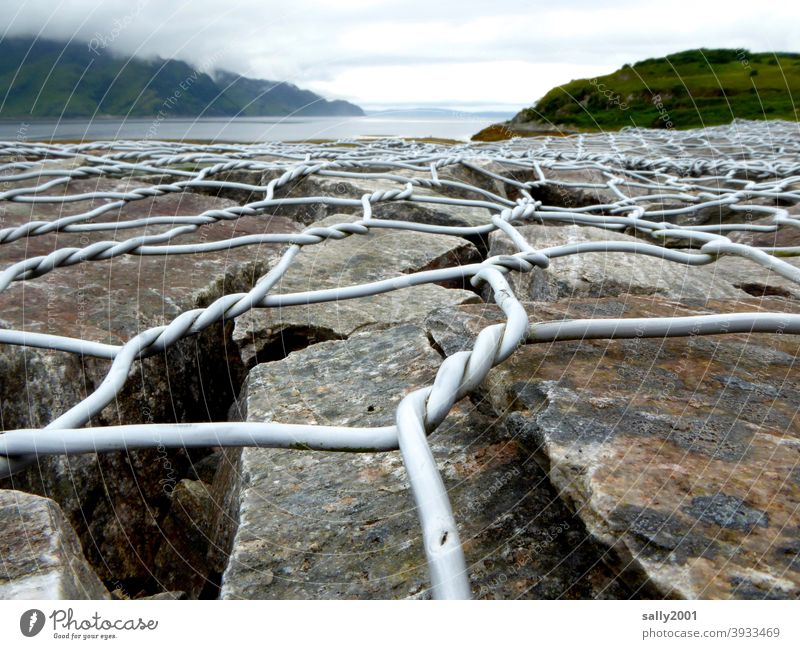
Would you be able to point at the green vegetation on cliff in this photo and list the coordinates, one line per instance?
(695, 88)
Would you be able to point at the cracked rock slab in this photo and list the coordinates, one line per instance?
(331, 186)
(679, 454)
(111, 301)
(783, 236)
(343, 525)
(358, 259)
(40, 555)
(582, 187)
(607, 274)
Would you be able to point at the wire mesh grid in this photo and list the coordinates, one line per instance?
(654, 184)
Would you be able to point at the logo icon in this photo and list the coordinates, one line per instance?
(31, 622)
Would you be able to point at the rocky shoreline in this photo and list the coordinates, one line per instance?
(588, 469)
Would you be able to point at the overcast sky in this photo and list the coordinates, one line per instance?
(461, 54)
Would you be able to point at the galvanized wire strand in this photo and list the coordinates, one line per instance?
(677, 326)
(642, 181)
(375, 439)
(197, 435)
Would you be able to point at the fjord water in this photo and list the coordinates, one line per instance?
(242, 129)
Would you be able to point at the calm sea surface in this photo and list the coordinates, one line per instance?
(245, 129)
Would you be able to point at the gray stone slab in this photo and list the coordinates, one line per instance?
(341, 525)
(40, 555)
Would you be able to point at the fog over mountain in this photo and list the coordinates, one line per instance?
(45, 78)
(466, 55)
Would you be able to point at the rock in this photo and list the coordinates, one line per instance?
(225, 493)
(569, 187)
(41, 555)
(469, 175)
(168, 595)
(340, 525)
(205, 468)
(513, 128)
(269, 334)
(116, 501)
(182, 562)
(504, 188)
(609, 274)
(783, 236)
(345, 187)
(753, 279)
(419, 212)
(112, 300)
(587, 185)
(679, 454)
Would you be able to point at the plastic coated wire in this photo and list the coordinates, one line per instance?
(648, 180)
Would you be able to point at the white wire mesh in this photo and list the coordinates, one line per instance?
(654, 177)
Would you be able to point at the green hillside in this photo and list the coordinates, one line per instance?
(51, 79)
(695, 88)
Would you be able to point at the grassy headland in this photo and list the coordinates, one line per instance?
(690, 89)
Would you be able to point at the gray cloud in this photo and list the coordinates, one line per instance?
(504, 53)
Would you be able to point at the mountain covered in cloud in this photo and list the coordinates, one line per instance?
(46, 78)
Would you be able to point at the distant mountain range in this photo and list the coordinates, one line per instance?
(43, 78)
(700, 87)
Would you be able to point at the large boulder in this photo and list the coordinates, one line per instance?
(343, 525)
(753, 278)
(679, 454)
(117, 501)
(268, 334)
(607, 274)
(331, 186)
(783, 236)
(573, 185)
(40, 554)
